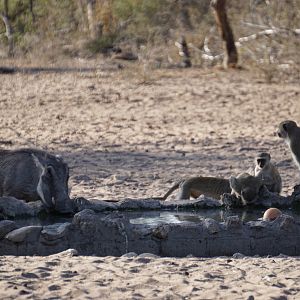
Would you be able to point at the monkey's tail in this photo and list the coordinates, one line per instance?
(170, 191)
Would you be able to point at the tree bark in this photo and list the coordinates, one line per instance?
(9, 30)
(184, 16)
(31, 10)
(83, 17)
(90, 16)
(220, 13)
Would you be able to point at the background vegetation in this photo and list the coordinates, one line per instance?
(52, 28)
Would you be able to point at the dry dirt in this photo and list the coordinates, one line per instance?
(59, 277)
(127, 134)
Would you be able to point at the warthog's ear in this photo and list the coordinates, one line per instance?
(38, 163)
(50, 172)
(43, 188)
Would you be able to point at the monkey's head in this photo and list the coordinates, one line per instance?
(262, 159)
(285, 128)
(246, 187)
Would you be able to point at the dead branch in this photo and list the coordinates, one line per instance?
(184, 52)
(268, 32)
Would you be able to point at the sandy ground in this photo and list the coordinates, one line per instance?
(62, 277)
(131, 135)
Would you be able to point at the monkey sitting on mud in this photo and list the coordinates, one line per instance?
(290, 132)
(267, 172)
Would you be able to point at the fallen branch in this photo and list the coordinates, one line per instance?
(266, 32)
(9, 34)
(207, 53)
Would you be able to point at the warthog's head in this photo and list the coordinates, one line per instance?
(52, 186)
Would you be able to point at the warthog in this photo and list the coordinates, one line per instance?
(32, 175)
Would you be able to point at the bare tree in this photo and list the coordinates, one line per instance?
(220, 13)
(8, 27)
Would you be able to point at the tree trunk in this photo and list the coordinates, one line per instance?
(231, 55)
(81, 4)
(90, 16)
(9, 30)
(184, 16)
(31, 10)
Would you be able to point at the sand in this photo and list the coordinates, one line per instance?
(60, 276)
(128, 134)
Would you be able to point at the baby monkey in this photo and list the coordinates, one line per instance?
(245, 187)
(267, 172)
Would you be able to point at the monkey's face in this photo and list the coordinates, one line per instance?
(261, 162)
(263, 159)
(285, 128)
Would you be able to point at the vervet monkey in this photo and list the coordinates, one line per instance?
(290, 132)
(245, 187)
(267, 172)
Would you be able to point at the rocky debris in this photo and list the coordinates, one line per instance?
(147, 255)
(229, 201)
(257, 224)
(130, 255)
(233, 222)
(284, 222)
(69, 252)
(95, 205)
(212, 226)
(65, 207)
(161, 232)
(296, 193)
(6, 226)
(150, 204)
(55, 231)
(11, 207)
(238, 255)
(28, 233)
